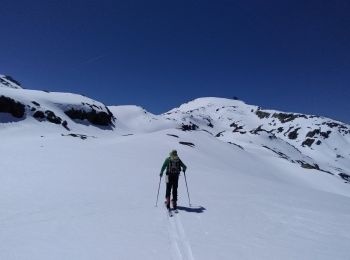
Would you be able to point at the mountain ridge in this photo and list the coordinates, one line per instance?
(9, 82)
(318, 142)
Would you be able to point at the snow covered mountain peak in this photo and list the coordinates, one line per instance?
(311, 141)
(207, 102)
(9, 82)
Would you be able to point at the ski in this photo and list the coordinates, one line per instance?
(176, 211)
(170, 212)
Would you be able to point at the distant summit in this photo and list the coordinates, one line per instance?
(9, 82)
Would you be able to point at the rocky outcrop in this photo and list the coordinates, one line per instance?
(287, 117)
(94, 117)
(262, 114)
(9, 105)
(189, 127)
(51, 117)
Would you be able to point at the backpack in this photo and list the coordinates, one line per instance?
(174, 166)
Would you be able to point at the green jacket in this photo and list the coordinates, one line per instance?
(166, 165)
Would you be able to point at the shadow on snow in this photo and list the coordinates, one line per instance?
(197, 209)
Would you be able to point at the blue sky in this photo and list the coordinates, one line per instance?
(286, 55)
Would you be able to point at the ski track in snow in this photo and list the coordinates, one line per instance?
(179, 244)
(184, 240)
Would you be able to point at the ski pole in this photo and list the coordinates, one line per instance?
(158, 190)
(188, 194)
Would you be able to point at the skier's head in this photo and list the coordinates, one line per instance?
(173, 153)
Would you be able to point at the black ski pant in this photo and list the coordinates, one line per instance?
(173, 180)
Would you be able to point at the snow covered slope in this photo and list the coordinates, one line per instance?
(79, 180)
(68, 111)
(68, 198)
(312, 142)
(9, 82)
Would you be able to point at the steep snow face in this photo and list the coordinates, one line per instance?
(65, 111)
(9, 82)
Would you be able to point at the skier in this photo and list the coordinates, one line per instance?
(173, 166)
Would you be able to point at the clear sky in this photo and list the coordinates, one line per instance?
(287, 55)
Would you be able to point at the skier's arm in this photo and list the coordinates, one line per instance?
(183, 166)
(165, 164)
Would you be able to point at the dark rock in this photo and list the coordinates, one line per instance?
(284, 117)
(262, 114)
(39, 115)
(36, 103)
(259, 129)
(236, 126)
(334, 124)
(94, 117)
(290, 128)
(82, 137)
(308, 142)
(281, 155)
(219, 134)
(280, 129)
(9, 105)
(239, 146)
(65, 125)
(189, 127)
(313, 133)
(187, 143)
(326, 171)
(308, 166)
(344, 176)
(173, 135)
(325, 135)
(210, 124)
(293, 135)
(52, 118)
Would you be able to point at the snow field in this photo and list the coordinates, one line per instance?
(67, 198)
